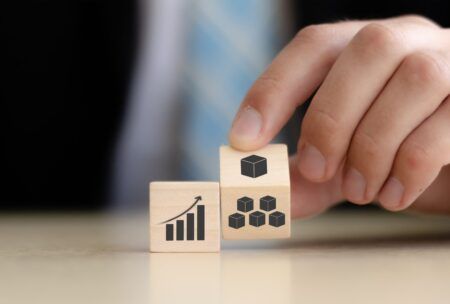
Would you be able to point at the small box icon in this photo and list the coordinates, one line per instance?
(245, 204)
(236, 220)
(267, 203)
(253, 166)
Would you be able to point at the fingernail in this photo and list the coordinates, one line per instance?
(354, 186)
(247, 125)
(312, 163)
(392, 193)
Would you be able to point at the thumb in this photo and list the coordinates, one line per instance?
(311, 198)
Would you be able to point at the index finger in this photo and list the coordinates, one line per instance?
(289, 80)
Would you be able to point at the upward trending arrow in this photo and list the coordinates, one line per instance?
(197, 199)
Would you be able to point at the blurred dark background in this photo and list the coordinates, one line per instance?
(66, 68)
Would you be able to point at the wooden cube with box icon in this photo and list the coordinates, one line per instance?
(255, 193)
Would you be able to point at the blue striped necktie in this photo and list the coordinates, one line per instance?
(229, 43)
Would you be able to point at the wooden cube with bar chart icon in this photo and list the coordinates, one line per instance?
(184, 217)
(255, 193)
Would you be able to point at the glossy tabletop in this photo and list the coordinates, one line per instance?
(350, 257)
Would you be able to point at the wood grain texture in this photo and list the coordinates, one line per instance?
(179, 206)
(234, 185)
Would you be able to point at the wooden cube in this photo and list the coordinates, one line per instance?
(184, 217)
(268, 184)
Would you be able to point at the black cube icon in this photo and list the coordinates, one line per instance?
(236, 220)
(257, 218)
(253, 166)
(276, 219)
(245, 204)
(267, 203)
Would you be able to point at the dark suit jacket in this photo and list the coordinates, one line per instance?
(66, 66)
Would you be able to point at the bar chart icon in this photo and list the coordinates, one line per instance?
(189, 226)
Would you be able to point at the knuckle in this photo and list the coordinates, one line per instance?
(269, 83)
(263, 90)
(315, 34)
(419, 19)
(415, 157)
(423, 68)
(378, 39)
(367, 147)
(320, 125)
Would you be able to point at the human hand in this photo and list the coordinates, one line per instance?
(378, 127)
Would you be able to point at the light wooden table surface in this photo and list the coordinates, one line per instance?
(335, 258)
